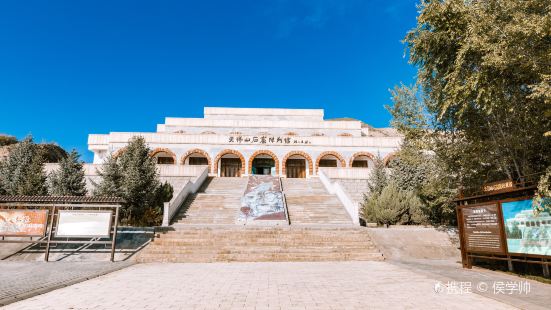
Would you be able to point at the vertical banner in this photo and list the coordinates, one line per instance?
(526, 231)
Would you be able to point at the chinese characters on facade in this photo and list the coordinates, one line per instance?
(268, 140)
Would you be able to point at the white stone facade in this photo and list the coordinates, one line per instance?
(247, 133)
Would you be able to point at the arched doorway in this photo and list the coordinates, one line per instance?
(295, 166)
(330, 159)
(230, 166)
(163, 157)
(229, 163)
(196, 157)
(361, 160)
(263, 163)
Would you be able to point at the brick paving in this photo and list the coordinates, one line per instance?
(19, 280)
(445, 271)
(322, 285)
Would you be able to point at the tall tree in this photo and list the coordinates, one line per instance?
(110, 178)
(141, 179)
(68, 179)
(485, 76)
(22, 173)
(133, 176)
(378, 178)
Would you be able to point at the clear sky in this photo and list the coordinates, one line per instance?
(70, 68)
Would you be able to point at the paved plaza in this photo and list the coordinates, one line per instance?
(323, 285)
(20, 280)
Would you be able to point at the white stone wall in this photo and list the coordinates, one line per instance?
(252, 122)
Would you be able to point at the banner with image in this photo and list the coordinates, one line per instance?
(526, 232)
(27, 223)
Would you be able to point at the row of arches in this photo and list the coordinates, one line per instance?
(295, 164)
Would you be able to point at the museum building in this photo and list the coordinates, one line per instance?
(236, 142)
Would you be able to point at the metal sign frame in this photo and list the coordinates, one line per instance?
(467, 255)
(57, 235)
(53, 212)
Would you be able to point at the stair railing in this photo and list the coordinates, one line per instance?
(170, 209)
(284, 202)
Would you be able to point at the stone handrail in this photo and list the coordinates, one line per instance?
(336, 189)
(172, 207)
(346, 173)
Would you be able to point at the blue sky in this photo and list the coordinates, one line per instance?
(70, 68)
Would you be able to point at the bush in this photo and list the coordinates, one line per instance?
(7, 140)
(393, 206)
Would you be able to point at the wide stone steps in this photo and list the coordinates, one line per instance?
(206, 231)
(272, 257)
(308, 202)
(208, 243)
(217, 202)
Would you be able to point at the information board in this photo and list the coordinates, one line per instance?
(482, 229)
(24, 223)
(527, 232)
(84, 224)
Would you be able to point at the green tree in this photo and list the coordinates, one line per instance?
(111, 178)
(378, 178)
(22, 173)
(542, 199)
(485, 78)
(68, 179)
(134, 177)
(417, 166)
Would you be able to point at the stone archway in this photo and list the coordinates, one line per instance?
(264, 152)
(339, 157)
(358, 154)
(196, 151)
(226, 152)
(163, 150)
(298, 153)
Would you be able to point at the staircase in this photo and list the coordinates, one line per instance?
(308, 202)
(205, 229)
(233, 243)
(217, 202)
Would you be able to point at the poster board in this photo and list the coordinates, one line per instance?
(526, 232)
(83, 224)
(23, 223)
(482, 228)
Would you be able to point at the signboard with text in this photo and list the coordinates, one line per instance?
(84, 224)
(24, 223)
(482, 228)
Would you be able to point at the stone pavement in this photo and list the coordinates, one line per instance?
(20, 280)
(450, 271)
(321, 285)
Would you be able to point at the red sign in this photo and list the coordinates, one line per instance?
(24, 223)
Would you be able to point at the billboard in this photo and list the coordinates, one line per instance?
(526, 232)
(83, 224)
(23, 223)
